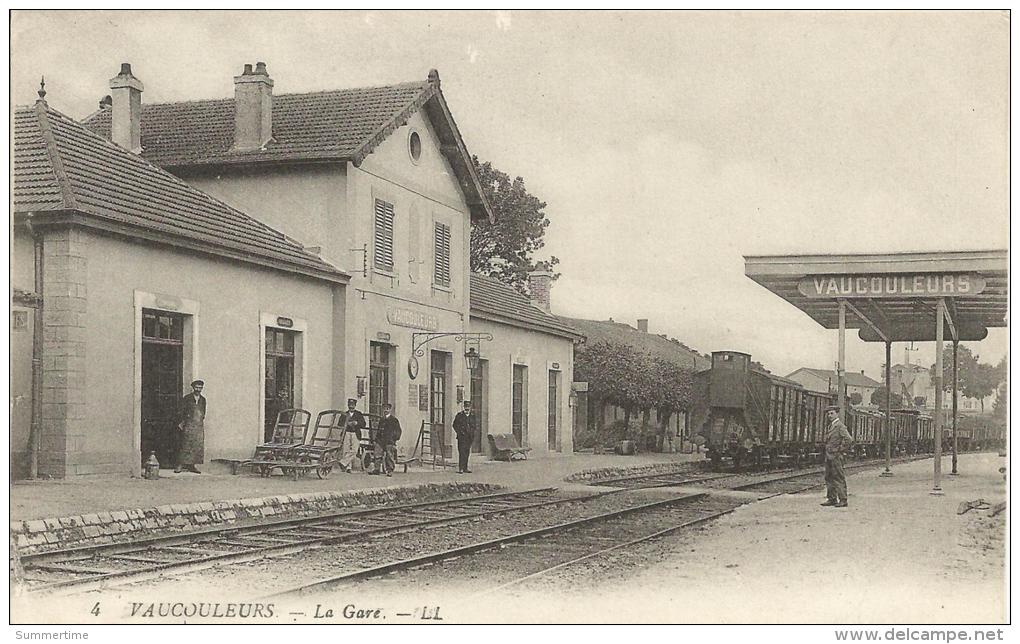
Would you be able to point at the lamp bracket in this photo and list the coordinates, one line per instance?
(419, 340)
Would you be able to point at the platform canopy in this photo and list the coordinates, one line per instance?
(893, 297)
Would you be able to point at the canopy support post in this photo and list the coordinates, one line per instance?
(841, 365)
(888, 410)
(956, 348)
(940, 314)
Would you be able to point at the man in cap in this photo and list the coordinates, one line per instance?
(464, 427)
(354, 422)
(837, 441)
(386, 438)
(191, 430)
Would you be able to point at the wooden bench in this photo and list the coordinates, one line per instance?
(506, 448)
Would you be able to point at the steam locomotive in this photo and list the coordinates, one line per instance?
(752, 417)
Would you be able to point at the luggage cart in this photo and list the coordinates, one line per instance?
(321, 450)
(290, 430)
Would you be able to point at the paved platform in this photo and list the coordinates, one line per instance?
(896, 555)
(48, 499)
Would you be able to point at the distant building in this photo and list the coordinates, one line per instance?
(912, 379)
(824, 381)
(915, 381)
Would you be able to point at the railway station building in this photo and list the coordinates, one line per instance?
(129, 284)
(364, 199)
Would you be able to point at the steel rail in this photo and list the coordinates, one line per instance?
(633, 542)
(261, 526)
(604, 551)
(373, 571)
(413, 562)
(256, 552)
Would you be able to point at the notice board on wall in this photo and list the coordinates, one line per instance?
(423, 397)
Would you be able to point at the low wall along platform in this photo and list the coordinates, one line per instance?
(44, 535)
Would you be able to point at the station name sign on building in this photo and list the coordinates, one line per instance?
(412, 319)
(908, 285)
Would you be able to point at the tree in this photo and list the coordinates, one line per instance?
(976, 379)
(1001, 405)
(879, 395)
(856, 398)
(674, 386)
(505, 249)
(620, 375)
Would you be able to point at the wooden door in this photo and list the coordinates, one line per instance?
(437, 396)
(279, 376)
(162, 386)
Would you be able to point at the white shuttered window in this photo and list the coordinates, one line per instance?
(442, 248)
(383, 235)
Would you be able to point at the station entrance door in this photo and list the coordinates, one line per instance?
(162, 388)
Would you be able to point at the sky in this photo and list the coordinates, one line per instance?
(667, 145)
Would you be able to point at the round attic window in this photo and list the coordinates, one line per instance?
(414, 146)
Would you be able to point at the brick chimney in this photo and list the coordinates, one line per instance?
(539, 285)
(126, 120)
(642, 325)
(253, 108)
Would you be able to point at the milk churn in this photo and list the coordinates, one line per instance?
(151, 467)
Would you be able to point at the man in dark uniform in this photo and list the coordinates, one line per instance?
(837, 442)
(464, 427)
(191, 430)
(354, 422)
(386, 438)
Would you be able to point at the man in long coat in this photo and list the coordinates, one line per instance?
(464, 427)
(837, 442)
(191, 430)
(386, 438)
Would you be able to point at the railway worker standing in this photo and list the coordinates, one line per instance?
(464, 427)
(386, 441)
(191, 430)
(837, 442)
(354, 422)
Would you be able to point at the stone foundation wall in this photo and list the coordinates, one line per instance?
(44, 535)
(594, 476)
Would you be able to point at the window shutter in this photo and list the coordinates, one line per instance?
(442, 253)
(383, 235)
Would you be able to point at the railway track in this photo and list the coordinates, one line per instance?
(100, 567)
(723, 480)
(97, 567)
(551, 548)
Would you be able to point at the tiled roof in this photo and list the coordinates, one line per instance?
(61, 168)
(611, 331)
(320, 125)
(336, 125)
(493, 300)
(853, 378)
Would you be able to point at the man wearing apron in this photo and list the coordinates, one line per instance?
(191, 430)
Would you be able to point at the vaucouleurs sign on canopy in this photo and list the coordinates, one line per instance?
(870, 286)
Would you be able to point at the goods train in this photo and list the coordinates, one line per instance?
(752, 417)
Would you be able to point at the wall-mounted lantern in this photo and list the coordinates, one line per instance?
(472, 360)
